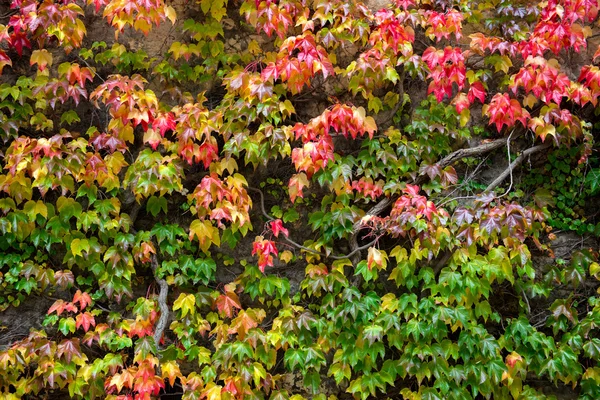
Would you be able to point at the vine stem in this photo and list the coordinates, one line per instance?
(162, 303)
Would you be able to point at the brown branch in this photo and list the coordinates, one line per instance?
(515, 164)
(472, 152)
(162, 303)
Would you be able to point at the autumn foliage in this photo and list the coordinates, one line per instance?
(292, 191)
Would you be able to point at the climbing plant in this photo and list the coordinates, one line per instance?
(300, 198)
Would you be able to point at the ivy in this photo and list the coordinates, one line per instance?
(299, 199)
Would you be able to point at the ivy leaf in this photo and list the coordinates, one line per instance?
(503, 110)
(69, 117)
(170, 370)
(67, 325)
(286, 256)
(227, 303)
(212, 391)
(69, 349)
(172, 16)
(42, 58)
(297, 183)
(476, 91)
(312, 380)
(242, 323)
(543, 198)
(185, 303)
(376, 257)
(80, 245)
(206, 234)
(592, 349)
(277, 227)
(84, 321)
(156, 204)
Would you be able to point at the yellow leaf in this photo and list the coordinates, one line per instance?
(595, 269)
(530, 100)
(170, 370)
(172, 15)
(79, 245)
(592, 373)
(546, 130)
(33, 208)
(259, 373)
(185, 303)
(212, 391)
(297, 183)
(152, 137)
(254, 48)
(225, 164)
(126, 133)
(206, 233)
(389, 302)
(115, 162)
(142, 25)
(503, 63)
(286, 256)
(399, 253)
(465, 116)
(41, 57)
(286, 107)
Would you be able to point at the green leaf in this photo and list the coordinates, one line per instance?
(67, 325)
(592, 349)
(312, 380)
(293, 358)
(291, 215)
(145, 346)
(156, 204)
(543, 198)
(69, 117)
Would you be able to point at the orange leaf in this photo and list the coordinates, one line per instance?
(227, 303)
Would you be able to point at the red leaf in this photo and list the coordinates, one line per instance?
(146, 381)
(503, 110)
(476, 91)
(412, 190)
(83, 298)
(85, 320)
(264, 249)
(60, 305)
(18, 40)
(277, 227)
(461, 102)
(164, 122)
(4, 60)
